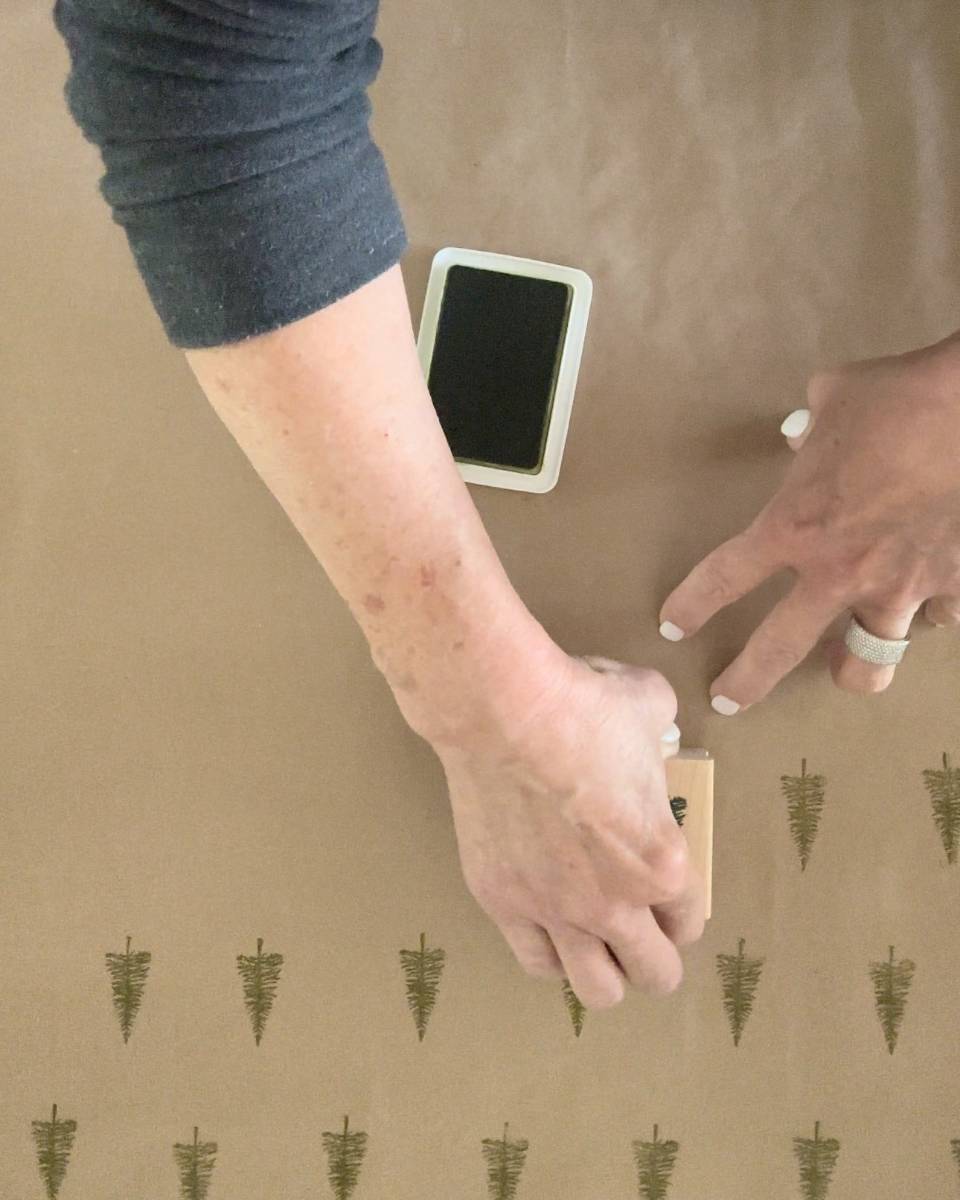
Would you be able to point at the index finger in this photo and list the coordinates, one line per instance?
(779, 643)
(736, 567)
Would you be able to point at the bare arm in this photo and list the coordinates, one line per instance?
(555, 771)
(334, 414)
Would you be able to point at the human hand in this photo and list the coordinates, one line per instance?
(867, 519)
(566, 838)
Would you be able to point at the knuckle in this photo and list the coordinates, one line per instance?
(597, 914)
(898, 601)
(802, 532)
(775, 656)
(714, 581)
(603, 666)
(616, 923)
(558, 906)
(669, 864)
(656, 691)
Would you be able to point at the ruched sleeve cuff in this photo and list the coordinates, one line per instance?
(237, 154)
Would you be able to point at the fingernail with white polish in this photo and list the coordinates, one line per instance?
(672, 734)
(795, 425)
(673, 633)
(724, 706)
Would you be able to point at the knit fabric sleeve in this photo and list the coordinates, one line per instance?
(236, 151)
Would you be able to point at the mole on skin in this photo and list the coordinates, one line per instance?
(373, 603)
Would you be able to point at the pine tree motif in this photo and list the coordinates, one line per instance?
(817, 1157)
(955, 1150)
(944, 789)
(739, 976)
(805, 796)
(54, 1141)
(345, 1153)
(654, 1162)
(128, 977)
(678, 806)
(505, 1160)
(260, 974)
(891, 985)
(195, 1162)
(422, 970)
(575, 1009)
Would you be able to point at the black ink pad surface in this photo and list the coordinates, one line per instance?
(500, 344)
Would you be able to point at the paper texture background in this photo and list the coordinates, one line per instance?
(197, 751)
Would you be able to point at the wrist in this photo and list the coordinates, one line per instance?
(486, 686)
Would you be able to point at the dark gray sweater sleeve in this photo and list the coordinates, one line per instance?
(234, 137)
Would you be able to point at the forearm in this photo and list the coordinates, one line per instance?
(333, 413)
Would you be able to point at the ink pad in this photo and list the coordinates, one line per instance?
(500, 343)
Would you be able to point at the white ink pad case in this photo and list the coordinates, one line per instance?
(500, 343)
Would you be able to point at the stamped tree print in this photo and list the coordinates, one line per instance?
(575, 1010)
(54, 1142)
(345, 1151)
(260, 974)
(678, 806)
(891, 986)
(943, 786)
(128, 977)
(505, 1158)
(195, 1161)
(422, 970)
(804, 795)
(817, 1158)
(654, 1162)
(739, 976)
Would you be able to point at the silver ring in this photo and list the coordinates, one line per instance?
(882, 652)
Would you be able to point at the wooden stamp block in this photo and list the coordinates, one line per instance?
(690, 780)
